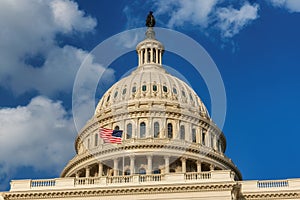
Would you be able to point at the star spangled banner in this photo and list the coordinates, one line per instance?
(111, 136)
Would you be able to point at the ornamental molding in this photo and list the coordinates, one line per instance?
(119, 191)
(277, 195)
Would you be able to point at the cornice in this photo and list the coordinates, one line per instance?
(120, 191)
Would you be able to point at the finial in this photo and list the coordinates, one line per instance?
(150, 21)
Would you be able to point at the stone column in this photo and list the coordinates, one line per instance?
(77, 174)
(100, 169)
(87, 172)
(199, 166)
(183, 164)
(212, 167)
(149, 159)
(116, 162)
(156, 56)
(167, 163)
(160, 53)
(151, 55)
(132, 158)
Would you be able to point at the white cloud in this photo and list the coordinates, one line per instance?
(231, 21)
(192, 11)
(290, 5)
(38, 135)
(208, 15)
(28, 29)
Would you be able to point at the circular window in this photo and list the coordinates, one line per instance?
(144, 88)
(183, 93)
(134, 89)
(165, 89)
(154, 88)
(174, 91)
(116, 94)
(124, 91)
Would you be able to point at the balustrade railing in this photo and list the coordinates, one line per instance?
(87, 181)
(43, 183)
(119, 179)
(150, 177)
(197, 175)
(272, 184)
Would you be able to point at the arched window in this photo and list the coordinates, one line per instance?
(96, 139)
(203, 137)
(211, 140)
(133, 89)
(156, 130)
(142, 130)
(170, 130)
(156, 171)
(194, 139)
(144, 88)
(154, 55)
(127, 172)
(117, 128)
(129, 131)
(142, 171)
(182, 132)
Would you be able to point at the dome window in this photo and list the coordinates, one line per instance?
(154, 88)
(182, 132)
(183, 93)
(174, 91)
(165, 89)
(142, 130)
(144, 88)
(191, 97)
(124, 91)
(117, 128)
(134, 89)
(116, 94)
(108, 98)
(129, 131)
(170, 130)
(156, 130)
(194, 139)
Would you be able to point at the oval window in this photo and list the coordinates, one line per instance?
(116, 94)
(134, 89)
(144, 88)
(124, 91)
(154, 88)
(174, 91)
(165, 89)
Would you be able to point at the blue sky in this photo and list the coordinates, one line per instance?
(255, 45)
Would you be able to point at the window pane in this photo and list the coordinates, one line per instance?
(142, 130)
(133, 89)
(156, 130)
(129, 131)
(182, 132)
(165, 89)
(154, 88)
(194, 135)
(170, 130)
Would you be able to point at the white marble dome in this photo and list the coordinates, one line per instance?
(166, 127)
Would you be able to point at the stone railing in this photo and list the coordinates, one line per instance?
(130, 180)
(42, 183)
(197, 175)
(273, 184)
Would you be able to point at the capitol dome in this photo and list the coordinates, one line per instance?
(166, 127)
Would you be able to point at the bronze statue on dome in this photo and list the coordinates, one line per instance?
(150, 21)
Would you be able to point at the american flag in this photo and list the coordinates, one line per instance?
(111, 136)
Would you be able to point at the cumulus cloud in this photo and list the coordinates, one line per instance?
(38, 135)
(193, 11)
(290, 5)
(30, 57)
(208, 15)
(231, 21)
